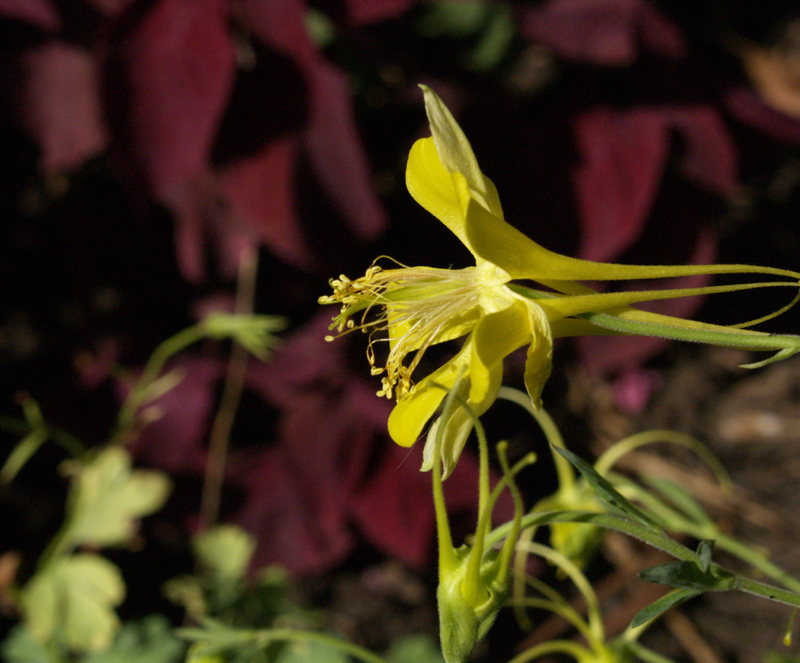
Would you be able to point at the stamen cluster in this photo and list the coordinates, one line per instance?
(418, 307)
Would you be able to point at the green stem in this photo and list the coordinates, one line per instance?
(573, 649)
(448, 560)
(653, 538)
(268, 636)
(611, 455)
(566, 475)
(757, 560)
(594, 614)
(151, 372)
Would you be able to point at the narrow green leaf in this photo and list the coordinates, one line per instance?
(663, 604)
(681, 499)
(704, 552)
(689, 575)
(605, 491)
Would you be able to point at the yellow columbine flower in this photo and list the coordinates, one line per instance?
(422, 306)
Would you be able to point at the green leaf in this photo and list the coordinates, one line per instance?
(689, 575)
(662, 605)
(106, 498)
(20, 647)
(605, 491)
(72, 601)
(495, 41)
(225, 551)
(704, 551)
(310, 652)
(454, 18)
(149, 640)
(681, 498)
(415, 649)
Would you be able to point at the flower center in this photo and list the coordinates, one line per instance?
(417, 306)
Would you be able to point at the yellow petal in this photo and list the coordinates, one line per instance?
(431, 185)
(539, 361)
(446, 194)
(496, 336)
(409, 416)
(494, 240)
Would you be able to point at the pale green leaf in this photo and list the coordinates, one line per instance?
(415, 649)
(107, 498)
(310, 651)
(72, 601)
(225, 551)
(149, 640)
(20, 647)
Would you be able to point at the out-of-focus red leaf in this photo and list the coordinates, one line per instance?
(175, 440)
(111, 7)
(304, 359)
(60, 105)
(395, 509)
(331, 138)
(261, 194)
(197, 204)
(623, 158)
(329, 423)
(179, 66)
(364, 12)
(281, 25)
(336, 153)
(746, 106)
(710, 157)
(285, 521)
(604, 32)
(41, 13)
(297, 504)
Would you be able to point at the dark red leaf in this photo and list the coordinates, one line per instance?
(60, 105)
(332, 139)
(336, 153)
(623, 158)
(261, 194)
(175, 439)
(41, 13)
(604, 32)
(179, 66)
(364, 12)
(747, 107)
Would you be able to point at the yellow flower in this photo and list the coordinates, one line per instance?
(421, 306)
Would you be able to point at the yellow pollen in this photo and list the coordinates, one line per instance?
(417, 307)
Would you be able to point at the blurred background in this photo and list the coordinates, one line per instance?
(158, 155)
